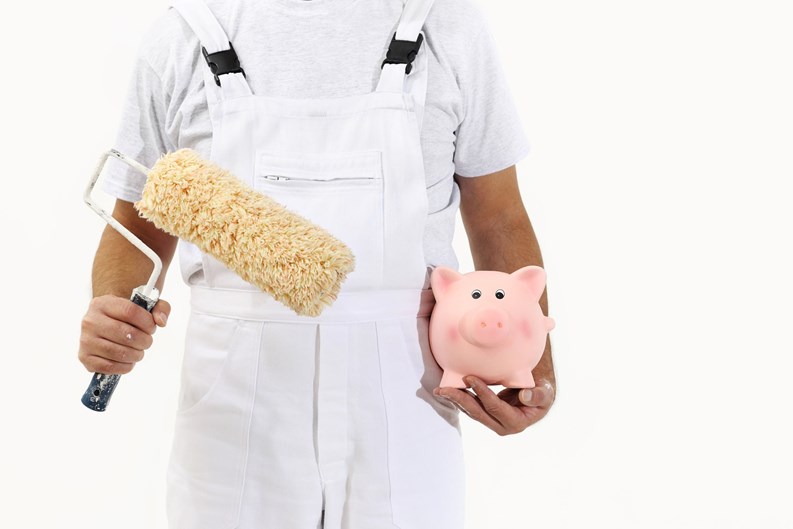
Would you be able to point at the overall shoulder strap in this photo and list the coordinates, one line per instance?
(412, 20)
(405, 66)
(224, 74)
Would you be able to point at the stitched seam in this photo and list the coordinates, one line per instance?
(243, 473)
(385, 416)
(315, 415)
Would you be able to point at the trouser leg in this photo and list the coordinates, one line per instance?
(282, 487)
(406, 466)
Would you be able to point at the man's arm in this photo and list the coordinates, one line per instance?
(118, 265)
(501, 238)
(115, 331)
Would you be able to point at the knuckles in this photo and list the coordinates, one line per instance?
(147, 342)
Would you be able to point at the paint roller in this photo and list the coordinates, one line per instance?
(284, 254)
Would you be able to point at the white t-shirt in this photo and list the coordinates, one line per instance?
(328, 48)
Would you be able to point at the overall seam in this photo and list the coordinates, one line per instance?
(244, 467)
(387, 428)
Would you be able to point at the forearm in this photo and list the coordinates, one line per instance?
(506, 247)
(119, 266)
(114, 332)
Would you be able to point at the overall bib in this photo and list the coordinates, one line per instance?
(292, 422)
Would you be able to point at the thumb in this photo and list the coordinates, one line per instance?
(161, 311)
(541, 395)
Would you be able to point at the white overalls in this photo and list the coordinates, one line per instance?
(290, 422)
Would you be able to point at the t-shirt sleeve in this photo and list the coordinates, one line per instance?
(490, 136)
(141, 132)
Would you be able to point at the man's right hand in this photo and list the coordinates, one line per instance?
(115, 332)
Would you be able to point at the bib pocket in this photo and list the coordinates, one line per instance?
(341, 192)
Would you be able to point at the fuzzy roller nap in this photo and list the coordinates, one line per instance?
(297, 262)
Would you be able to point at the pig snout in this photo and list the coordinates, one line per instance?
(486, 328)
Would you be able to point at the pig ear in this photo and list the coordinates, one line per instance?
(533, 277)
(441, 278)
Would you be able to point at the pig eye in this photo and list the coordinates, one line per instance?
(500, 294)
(476, 294)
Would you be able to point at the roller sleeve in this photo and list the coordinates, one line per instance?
(297, 262)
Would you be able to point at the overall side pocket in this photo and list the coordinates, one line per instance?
(207, 468)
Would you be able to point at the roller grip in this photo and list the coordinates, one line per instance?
(102, 386)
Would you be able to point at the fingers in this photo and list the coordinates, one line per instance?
(123, 334)
(104, 356)
(505, 413)
(492, 404)
(486, 407)
(124, 310)
(115, 332)
(541, 396)
(470, 406)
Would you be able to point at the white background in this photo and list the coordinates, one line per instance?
(658, 185)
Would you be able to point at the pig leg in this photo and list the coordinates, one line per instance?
(520, 379)
(451, 379)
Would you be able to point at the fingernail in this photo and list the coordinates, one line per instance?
(525, 396)
(162, 318)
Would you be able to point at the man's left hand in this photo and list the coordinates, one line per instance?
(510, 412)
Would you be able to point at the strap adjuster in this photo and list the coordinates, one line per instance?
(402, 52)
(222, 62)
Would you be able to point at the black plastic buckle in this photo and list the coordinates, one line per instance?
(402, 52)
(222, 62)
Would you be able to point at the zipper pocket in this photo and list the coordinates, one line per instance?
(279, 178)
(344, 168)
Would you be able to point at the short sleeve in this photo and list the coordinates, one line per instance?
(490, 137)
(140, 134)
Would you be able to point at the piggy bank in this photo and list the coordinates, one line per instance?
(488, 324)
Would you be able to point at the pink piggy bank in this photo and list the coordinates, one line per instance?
(488, 324)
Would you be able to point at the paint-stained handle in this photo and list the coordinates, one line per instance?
(102, 386)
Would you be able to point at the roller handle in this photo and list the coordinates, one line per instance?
(102, 386)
